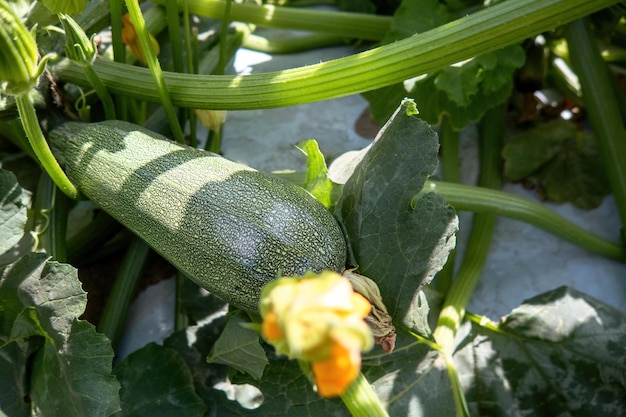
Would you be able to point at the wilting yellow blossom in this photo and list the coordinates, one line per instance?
(320, 319)
(130, 39)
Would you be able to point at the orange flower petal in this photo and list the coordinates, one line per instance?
(271, 330)
(335, 374)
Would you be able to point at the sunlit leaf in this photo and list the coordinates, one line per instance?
(560, 353)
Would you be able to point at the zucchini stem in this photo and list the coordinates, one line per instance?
(475, 256)
(114, 315)
(361, 399)
(480, 199)
(155, 68)
(345, 24)
(486, 30)
(37, 141)
(601, 105)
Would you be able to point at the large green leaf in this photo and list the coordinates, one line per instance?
(560, 353)
(560, 161)
(157, 382)
(400, 246)
(464, 91)
(12, 211)
(41, 301)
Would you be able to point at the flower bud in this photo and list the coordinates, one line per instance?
(78, 47)
(18, 54)
(211, 119)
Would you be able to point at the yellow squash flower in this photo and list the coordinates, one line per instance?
(319, 319)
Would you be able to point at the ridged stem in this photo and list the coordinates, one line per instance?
(293, 44)
(114, 315)
(484, 31)
(346, 24)
(481, 200)
(449, 145)
(159, 83)
(30, 122)
(361, 399)
(601, 105)
(479, 242)
(102, 92)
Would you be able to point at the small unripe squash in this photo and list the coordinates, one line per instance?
(228, 227)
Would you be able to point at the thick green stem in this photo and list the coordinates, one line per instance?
(361, 399)
(475, 256)
(114, 315)
(484, 31)
(292, 44)
(155, 68)
(176, 40)
(348, 25)
(449, 140)
(481, 200)
(221, 64)
(601, 105)
(102, 92)
(30, 123)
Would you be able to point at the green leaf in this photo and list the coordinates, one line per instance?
(415, 16)
(463, 92)
(157, 382)
(287, 392)
(412, 381)
(239, 347)
(562, 162)
(560, 353)
(317, 181)
(71, 375)
(398, 245)
(71, 7)
(12, 211)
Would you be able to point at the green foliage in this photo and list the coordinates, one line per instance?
(70, 364)
(12, 211)
(399, 246)
(464, 91)
(156, 382)
(561, 161)
(70, 7)
(561, 352)
(239, 347)
(317, 181)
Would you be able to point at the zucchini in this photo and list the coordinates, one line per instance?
(228, 227)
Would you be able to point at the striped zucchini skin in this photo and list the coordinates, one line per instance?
(228, 227)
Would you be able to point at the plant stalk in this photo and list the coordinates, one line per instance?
(345, 24)
(361, 399)
(601, 105)
(37, 141)
(479, 242)
(114, 315)
(155, 69)
(480, 200)
(484, 31)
